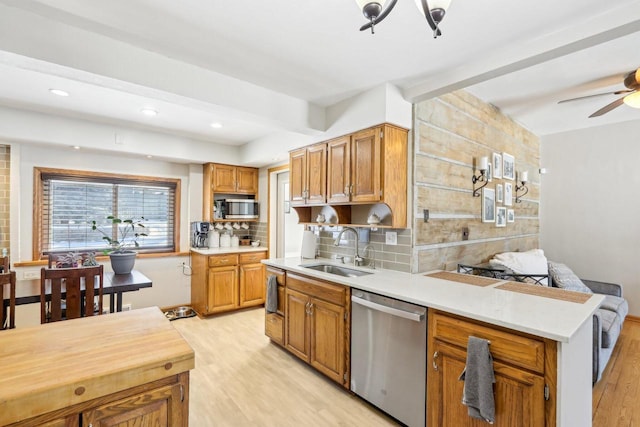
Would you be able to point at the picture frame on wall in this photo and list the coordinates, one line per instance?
(511, 215)
(499, 193)
(488, 205)
(508, 166)
(501, 216)
(508, 194)
(489, 172)
(497, 165)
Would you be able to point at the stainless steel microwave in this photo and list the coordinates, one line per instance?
(240, 209)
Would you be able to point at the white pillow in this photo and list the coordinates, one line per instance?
(529, 262)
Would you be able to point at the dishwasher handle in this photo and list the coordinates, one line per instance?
(416, 317)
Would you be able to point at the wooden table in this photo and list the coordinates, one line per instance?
(95, 367)
(28, 291)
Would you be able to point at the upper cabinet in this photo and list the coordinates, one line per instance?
(226, 179)
(366, 167)
(308, 175)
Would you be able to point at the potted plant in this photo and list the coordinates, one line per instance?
(128, 233)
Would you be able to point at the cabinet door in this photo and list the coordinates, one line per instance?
(316, 174)
(365, 166)
(327, 326)
(162, 407)
(252, 285)
(518, 394)
(338, 170)
(297, 324)
(246, 180)
(223, 289)
(224, 178)
(298, 176)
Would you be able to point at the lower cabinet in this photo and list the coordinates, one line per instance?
(274, 322)
(163, 403)
(316, 325)
(524, 368)
(226, 282)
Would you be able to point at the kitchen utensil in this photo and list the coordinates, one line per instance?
(219, 226)
(236, 226)
(244, 226)
(228, 226)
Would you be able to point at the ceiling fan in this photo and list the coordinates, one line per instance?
(631, 82)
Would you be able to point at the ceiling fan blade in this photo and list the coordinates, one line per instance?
(608, 107)
(619, 92)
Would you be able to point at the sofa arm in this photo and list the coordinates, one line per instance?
(604, 287)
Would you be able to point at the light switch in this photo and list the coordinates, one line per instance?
(391, 238)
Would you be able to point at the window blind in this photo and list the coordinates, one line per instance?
(70, 204)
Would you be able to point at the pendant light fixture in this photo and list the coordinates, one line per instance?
(376, 10)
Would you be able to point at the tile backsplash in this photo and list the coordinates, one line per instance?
(391, 257)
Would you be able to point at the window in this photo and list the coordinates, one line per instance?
(68, 201)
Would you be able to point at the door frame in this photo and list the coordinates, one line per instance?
(271, 232)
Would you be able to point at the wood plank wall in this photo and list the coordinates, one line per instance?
(449, 132)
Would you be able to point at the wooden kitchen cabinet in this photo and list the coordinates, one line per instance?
(364, 168)
(226, 179)
(274, 322)
(226, 282)
(524, 368)
(316, 323)
(308, 175)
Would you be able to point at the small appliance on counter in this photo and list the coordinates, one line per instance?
(199, 232)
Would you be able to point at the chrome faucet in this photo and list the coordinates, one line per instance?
(357, 259)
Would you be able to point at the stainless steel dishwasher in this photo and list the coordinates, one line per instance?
(389, 355)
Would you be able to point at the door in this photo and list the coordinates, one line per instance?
(252, 286)
(327, 325)
(297, 324)
(223, 289)
(246, 180)
(161, 407)
(518, 394)
(298, 176)
(224, 178)
(365, 165)
(317, 174)
(338, 170)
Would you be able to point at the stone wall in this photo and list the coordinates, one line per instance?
(449, 132)
(5, 165)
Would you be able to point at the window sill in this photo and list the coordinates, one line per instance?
(44, 262)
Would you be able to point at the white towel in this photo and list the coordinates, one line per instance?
(478, 377)
(271, 306)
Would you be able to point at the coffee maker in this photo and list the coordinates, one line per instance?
(199, 231)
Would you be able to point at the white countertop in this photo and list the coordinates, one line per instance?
(545, 317)
(229, 250)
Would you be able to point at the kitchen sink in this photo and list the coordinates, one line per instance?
(337, 270)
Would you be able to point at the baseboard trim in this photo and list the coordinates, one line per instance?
(632, 318)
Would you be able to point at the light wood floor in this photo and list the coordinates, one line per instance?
(241, 379)
(616, 396)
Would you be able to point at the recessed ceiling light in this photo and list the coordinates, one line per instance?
(59, 92)
(149, 112)
(76, 147)
(216, 125)
(149, 156)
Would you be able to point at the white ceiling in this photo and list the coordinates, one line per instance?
(199, 61)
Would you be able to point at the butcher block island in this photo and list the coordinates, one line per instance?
(119, 369)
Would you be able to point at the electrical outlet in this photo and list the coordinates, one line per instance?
(465, 233)
(31, 275)
(391, 238)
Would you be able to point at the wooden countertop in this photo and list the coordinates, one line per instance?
(53, 366)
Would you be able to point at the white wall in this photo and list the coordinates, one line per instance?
(590, 204)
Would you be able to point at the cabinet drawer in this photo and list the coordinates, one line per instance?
(274, 327)
(315, 288)
(506, 347)
(223, 260)
(280, 275)
(252, 257)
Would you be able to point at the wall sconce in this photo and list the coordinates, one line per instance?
(482, 165)
(523, 177)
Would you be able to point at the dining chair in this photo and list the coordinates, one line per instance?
(8, 320)
(4, 264)
(69, 293)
